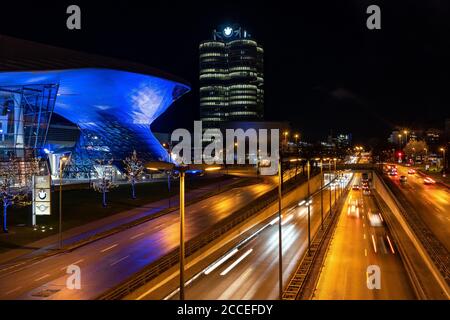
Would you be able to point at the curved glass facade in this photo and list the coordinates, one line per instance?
(113, 109)
(231, 78)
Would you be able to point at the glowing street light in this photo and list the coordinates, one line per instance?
(167, 166)
(443, 160)
(62, 161)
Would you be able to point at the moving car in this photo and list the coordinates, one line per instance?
(411, 171)
(393, 172)
(403, 178)
(355, 187)
(428, 180)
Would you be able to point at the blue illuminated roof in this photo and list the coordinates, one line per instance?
(112, 106)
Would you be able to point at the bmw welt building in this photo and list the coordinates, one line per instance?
(105, 105)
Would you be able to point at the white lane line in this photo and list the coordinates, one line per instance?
(43, 277)
(364, 236)
(390, 244)
(137, 235)
(365, 252)
(76, 262)
(116, 262)
(11, 267)
(234, 264)
(221, 261)
(13, 290)
(374, 244)
(110, 247)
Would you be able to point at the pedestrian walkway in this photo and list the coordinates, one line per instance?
(90, 229)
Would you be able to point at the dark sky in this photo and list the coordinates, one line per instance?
(324, 70)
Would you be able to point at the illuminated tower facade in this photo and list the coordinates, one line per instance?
(231, 77)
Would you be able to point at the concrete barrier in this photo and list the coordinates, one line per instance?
(426, 279)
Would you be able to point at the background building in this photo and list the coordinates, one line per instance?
(231, 77)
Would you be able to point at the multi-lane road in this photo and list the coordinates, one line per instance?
(361, 239)
(430, 201)
(106, 262)
(250, 270)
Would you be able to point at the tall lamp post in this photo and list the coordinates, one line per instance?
(335, 184)
(166, 166)
(62, 161)
(308, 166)
(321, 193)
(443, 160)
(280, 251)
(329, 173)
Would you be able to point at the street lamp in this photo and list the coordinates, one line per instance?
(280, 251)
(321, 193)
(329, 173)
(308, 166)
(335, 184)
(167, 166)
(443, 160)
(62, 161)
(286, 133)
(406, 136)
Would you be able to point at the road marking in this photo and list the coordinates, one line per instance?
(109, 248)
(116, 262)
(374, 244)
(13, 290)
(390, 244)
(43, 277)
(365, 252)
(76, 262)
(11, 267)
(221, 261)
(137, 235)
(234, 264)
(364, 236)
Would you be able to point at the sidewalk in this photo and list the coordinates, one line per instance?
(90, 229)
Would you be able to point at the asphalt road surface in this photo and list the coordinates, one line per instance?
(252, 271)
(361, 239)
(431, 201)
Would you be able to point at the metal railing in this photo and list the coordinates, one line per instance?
(214, 232)
(296, 285)
(435, 249)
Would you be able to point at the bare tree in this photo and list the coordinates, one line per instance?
(134, 169)
(104, 182)
(12, 190)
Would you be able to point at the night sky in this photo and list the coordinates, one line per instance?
(324, 70)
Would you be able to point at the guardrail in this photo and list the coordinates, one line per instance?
(435, 249)
(172, 258)
(296, 286)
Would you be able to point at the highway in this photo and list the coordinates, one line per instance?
(250, 271)
(362, 239)
(106, 262)
(432, 203)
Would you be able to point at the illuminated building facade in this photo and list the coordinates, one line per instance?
(111, 102)
(231, 78)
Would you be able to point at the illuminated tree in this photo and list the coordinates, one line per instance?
(12, 191)
(134, 169)
(104, 183)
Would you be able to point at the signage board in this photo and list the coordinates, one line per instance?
(41, 195)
